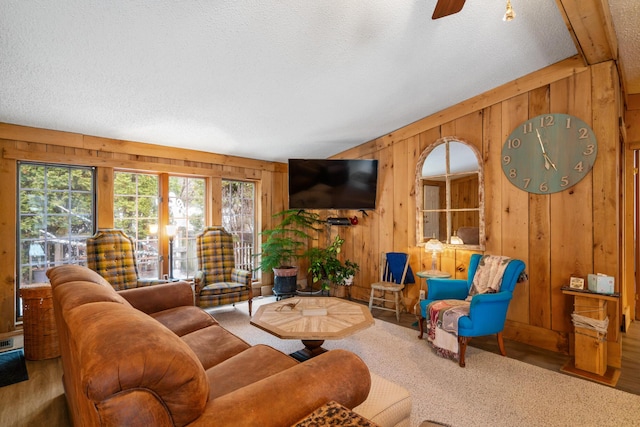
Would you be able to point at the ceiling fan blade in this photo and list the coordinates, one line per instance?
(447, 7)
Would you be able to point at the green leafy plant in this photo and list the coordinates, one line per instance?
(288, 240)
(349, 269)
(325, 266)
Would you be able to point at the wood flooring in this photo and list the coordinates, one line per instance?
(40, 401)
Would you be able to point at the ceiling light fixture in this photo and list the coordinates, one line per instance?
(509, 15)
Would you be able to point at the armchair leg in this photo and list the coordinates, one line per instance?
(250, 302)
(462, 344)
(501, 344)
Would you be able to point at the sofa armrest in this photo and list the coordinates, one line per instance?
(290, 395)
(152, 299)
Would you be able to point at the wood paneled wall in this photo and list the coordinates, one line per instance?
(40, 145)
(571, 233)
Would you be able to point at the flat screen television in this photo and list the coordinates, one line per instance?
(332, 184)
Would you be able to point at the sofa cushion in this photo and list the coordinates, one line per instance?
(150, 300)
(214, 344)
(72, 273)
(289, 395)
(220, 288)
(73, 294)
(184, 320)
(253, 364)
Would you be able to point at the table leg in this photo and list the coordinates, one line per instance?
(312, 348)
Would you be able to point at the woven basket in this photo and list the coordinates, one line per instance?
(40, 334)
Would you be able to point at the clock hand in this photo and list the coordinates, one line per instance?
(547, 160)
(544, 153)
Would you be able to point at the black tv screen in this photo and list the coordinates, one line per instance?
(332, 184)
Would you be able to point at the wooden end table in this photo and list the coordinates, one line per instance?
(312, 320)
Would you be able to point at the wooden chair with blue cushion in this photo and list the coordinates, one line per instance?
(476, 306)
(218, 282)
(395, 272)
(111, 254)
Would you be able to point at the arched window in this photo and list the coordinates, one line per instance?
(449, 196)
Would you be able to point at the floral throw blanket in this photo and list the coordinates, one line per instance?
(442, 325)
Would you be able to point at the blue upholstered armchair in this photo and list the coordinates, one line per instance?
(487, 312)
(217, 281)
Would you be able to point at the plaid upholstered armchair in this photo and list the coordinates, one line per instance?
(111, 254)
(218, 282)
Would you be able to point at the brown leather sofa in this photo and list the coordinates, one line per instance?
(149, 357)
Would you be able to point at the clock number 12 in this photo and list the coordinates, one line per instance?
(545, 121)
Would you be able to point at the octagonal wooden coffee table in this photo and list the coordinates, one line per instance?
(312, 320)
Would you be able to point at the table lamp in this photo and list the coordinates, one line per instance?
(434, 246)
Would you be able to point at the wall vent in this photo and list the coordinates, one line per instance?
(7, 343)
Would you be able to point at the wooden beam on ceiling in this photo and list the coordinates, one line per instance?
(590, 25)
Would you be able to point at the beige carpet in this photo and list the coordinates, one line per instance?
(491, 391)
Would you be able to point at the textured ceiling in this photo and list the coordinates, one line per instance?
(261, 79)
(626, 22)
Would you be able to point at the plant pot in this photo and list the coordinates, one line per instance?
(338, 291)
(285, 281)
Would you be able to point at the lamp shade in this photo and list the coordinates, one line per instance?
(434, 246)
(171, 230)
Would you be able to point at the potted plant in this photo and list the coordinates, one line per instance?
(345, 276)
(286, 242)
(325, 267)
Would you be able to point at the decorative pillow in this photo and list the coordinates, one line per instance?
(488, 277)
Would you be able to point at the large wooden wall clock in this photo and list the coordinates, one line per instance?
(549, 153)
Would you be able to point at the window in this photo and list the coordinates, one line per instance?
(135, 211)
(186, 212)
(56, 213)
(450, 201)
(238, 218)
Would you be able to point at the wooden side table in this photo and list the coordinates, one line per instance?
(431, 274)
(426, 275)
(590, 359)
(39, 325)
